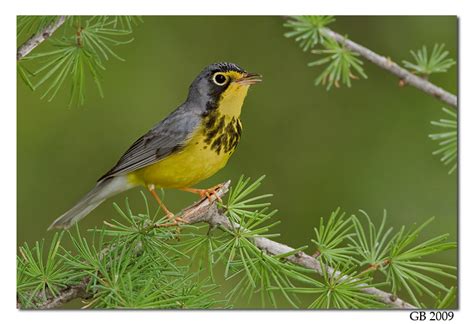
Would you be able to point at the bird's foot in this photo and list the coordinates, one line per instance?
(173, 220)
(209, 193)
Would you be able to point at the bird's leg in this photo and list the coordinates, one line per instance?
(205, 192)
(168, 214)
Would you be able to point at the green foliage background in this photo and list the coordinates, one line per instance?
(364, 147)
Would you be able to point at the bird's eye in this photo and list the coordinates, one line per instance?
(219, 79)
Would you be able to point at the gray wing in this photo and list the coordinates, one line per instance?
(169, 136)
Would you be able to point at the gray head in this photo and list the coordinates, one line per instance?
(218, 78)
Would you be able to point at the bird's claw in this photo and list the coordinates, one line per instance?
(208, 193)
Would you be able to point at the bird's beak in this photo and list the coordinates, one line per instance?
(249, 78)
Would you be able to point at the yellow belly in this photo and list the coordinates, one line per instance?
(196, 162)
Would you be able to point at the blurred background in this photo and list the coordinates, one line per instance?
(364, 147)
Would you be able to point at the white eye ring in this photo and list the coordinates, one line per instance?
(220, 79)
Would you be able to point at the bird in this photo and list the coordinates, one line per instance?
(188, 146)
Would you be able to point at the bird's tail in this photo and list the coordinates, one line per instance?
(103, 190)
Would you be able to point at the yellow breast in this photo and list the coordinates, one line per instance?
(206, 152)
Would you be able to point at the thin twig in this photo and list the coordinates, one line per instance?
(39, 37)
(65, 296)
(385, 63)
(207, 211)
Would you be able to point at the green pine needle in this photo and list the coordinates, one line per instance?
(79, 55)
(448, 300)
(340, 289)
(331, 238)
(307, 29)
(448, 140)
(238, 204)
(343, 65)
(371, 244)
(29, 25)
(130, 263)
(120, 22)
(25, 75)
(41, 273)
(404, 270)
(263, 276)
(427, 64)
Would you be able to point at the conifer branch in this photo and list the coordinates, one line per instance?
(405, 76)
(68, 294)
(207, 211)
(39, 37)
(204, 211)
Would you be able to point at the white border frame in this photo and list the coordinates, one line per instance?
(241, 7)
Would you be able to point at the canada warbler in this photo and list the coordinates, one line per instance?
(188, 146)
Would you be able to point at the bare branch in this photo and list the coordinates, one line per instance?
(405, 76)
(207, 211)
(39, 37)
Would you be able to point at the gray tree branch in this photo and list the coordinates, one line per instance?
(39, 37)
(386, 64)
(67, 294)
(206, 211)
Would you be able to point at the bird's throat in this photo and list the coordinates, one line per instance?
(231, 100)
